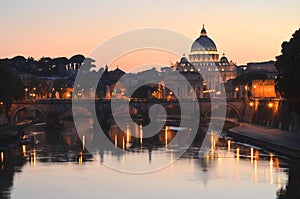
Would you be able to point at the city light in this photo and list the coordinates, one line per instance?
(2, 157)
(251, 104)
(83, 142)
(116, 141)
(237, 154)
(270, 105)
(229, 145)
(252, 155)
(166, 136)
(80, 159)
(24, 150)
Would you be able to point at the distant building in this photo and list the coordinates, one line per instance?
(262, 87)
(267, 68)
(192, 76)
(204, 57)
(204, 70)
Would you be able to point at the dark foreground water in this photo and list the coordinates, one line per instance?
(51, 166)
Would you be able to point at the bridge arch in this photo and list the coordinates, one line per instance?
(14, 114)
(231, 110)
(123, 109)
(171, 108)
(83, 110)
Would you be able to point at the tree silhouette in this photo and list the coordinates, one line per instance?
(60, 65)
(11, 87)
(45, 65)
(246, 78)
(76, 61)
(288, 66)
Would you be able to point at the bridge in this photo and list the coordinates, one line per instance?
(58, 109)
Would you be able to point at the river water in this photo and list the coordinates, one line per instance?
(52, 166)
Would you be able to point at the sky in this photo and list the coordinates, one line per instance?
(246, 31)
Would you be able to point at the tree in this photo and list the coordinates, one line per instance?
(247, 78)
(60, 65)
(11, 87)
(45, 66)
(76, 61)
(288, 66)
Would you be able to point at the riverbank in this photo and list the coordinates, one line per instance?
(278, 141)
(8, 136)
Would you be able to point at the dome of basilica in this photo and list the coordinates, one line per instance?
(203, 43)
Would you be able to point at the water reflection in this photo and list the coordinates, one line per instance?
(292, 190)
(2, 157)
(227, 160)
(12, 161)
(33, 158)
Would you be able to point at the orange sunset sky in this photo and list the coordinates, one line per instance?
(245, 30)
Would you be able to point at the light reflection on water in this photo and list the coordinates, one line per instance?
(58, 168)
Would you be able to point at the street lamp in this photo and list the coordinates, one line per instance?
(26, 93)
(254, 87)
(236, 92)
(270, 105)
(251, 112)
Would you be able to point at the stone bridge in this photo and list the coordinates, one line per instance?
(59, 108)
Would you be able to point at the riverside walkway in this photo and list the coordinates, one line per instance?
(279, 141)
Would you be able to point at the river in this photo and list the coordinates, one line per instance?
(55, 164)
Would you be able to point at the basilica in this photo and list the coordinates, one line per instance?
(204, 60)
